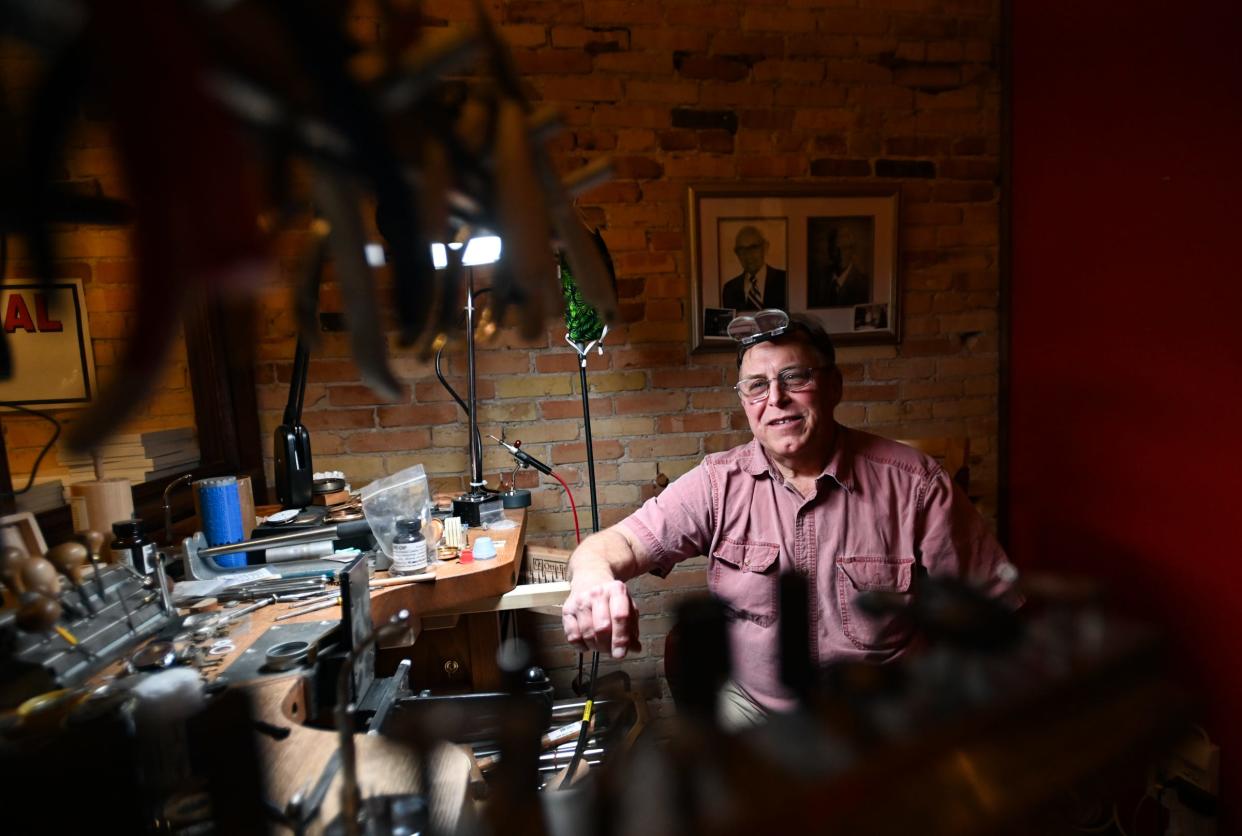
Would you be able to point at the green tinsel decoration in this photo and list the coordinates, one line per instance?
(581, 320)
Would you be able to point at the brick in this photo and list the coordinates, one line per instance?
(604, 449)
(735, 95)
(638, 471)
(533, 386)
(376, 441)
(776, 19)
(871, 392)
(431, 391)
(542, 11)
(552, 62)
(664, 310)
(595, 40)
(789, 72)
(649, 403)
(635, 63)
(747, 45)
(649, 356)
(643, 263)
(690, 422)
(664, 447)
(970, 169)
(524, 35)
(713, 67)
(618, 427)
(905, 168)
(824, 119)
(772, 165)
(606, 12)
(672, 38)
(702, 166)
(615, 382)
(338, 419)
(719, 399)
(415, 415)
(840, 168)
(553, 410)
(696, 378)
(637, 167)
(666, 92)
(506, 412)
(661, 240)
(595, 89)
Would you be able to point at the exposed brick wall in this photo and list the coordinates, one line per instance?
(904, 92)
(681, 92)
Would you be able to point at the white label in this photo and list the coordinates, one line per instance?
(409, 557)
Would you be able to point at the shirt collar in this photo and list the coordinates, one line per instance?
(840, 465)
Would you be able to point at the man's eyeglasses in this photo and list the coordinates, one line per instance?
(756, 389)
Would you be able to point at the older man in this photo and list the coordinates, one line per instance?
(759, 285)
(849, 510)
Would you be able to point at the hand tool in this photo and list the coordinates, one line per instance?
(67, 557)
(93, 541)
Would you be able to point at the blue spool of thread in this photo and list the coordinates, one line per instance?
(222, 522)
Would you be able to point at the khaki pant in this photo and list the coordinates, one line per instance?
(737, 710)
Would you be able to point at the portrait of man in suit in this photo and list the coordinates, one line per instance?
(839, 262)
(759, 284)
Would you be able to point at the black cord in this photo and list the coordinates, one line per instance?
(34, 470)
(585, 732)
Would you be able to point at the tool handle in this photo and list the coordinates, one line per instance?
(527, 459)
(352, 528)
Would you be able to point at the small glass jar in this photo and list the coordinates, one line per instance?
(409, 548)
(131, 544)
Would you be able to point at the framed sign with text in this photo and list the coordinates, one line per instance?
(49, 344)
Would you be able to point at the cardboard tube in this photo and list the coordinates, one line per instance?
(103, 502)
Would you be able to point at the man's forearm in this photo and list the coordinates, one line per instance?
(606, 555)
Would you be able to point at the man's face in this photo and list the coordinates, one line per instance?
(847, 245)
(791, 425)
(751, 250)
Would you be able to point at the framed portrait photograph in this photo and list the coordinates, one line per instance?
(828, 251)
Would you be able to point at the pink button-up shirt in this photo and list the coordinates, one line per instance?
(879, 509)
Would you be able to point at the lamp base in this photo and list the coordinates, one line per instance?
(476, 509)
(516, 498)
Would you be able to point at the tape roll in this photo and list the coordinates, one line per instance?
(221, 516)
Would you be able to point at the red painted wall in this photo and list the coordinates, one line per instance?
(1125, 442)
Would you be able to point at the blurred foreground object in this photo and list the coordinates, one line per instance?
(213, 103)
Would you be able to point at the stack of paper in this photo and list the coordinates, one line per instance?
(138, 457)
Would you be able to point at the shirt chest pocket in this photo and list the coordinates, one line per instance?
(860, 574)
(745, 577)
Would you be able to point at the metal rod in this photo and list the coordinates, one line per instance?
(590, 450)
(476, 459)
(310, 535)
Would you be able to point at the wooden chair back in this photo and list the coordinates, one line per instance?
(952, 452)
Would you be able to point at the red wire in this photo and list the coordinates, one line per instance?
(572, 505)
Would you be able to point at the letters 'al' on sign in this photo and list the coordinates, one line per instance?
(49, 340)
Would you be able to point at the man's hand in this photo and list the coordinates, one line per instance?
(600, 615)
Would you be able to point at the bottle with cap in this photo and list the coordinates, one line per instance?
(131, 544)
(409, 547)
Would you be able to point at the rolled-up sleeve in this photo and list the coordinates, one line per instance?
(677, 524)
(955, 541)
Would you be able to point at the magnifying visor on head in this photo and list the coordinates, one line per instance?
(751, 329)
